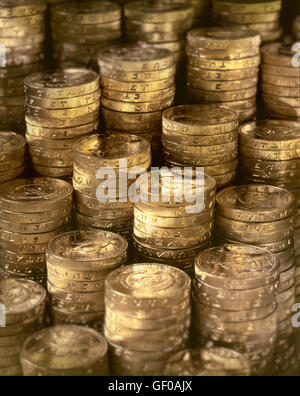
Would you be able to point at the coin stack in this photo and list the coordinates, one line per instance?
(222, 66)
(208, 362)
(24, 303)
(78, 263)
(61, 106)
(138, 83)
(280, 81)
(203, 136)
(32, 212)
(234, 302)
(22, 36)
(65, 351)
(12, 156)
(81, 29)
(147, 317)
(102, 168)
(262, 215)
(262, 16)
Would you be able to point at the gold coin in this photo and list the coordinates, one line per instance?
(29, 20)
(164, 27)
(138, 97)
(12, 146)
(273, 155)
(93, 39)
(137, 87)
(246, 8)
(199, 150)
(282, 86)
(87, 29)
(195, 140)
(21, 9)
(279, 73)
(222, 96)
(137, 107)
(237, 18)
(62, 122)
(84, 100)
(235, 54)
(292, 102)
(108, 72)
(61, 133)
(27, 40)
(277, 54)
(282, 110)
(222, 75)
(62, 113)
(199, 83)
(155, 38)
(217, 64)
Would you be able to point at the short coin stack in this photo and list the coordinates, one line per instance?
(222, 66)
(12, 155)
(67, 351)
(262, 16)
(234, 301)
(147, 317)
(102, 202)
(61, 106)
(262, 215)
(138, 83)
(22, 36)
(32, 212)
(24, 302)
(81, 29)
(202, 136)
(78, 263)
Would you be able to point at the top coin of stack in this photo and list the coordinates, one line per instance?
(81, 29)
(12, 155)
(262, 16)
(65, 351)
(61, 106)
(223, 67)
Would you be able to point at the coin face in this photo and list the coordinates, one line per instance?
(269, 131)
(10, 141)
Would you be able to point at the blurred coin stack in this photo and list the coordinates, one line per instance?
(296, 28)
(138, 83)
(263, 16)
(22, 36)
(32, 212)
(61, 106)
(202, 136)
(78, 263)
(234, 302)
(172, 228)
(222, 66)
(81, 29)
(263, 216)
(24, 303)
(65, 351)
(147, 317)
(12, 156)
(102, 198)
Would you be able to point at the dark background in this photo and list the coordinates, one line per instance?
(291, 8)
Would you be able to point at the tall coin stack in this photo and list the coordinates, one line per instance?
(24, 302)
(120, 155)
(203, 136)
(234, 302)
(81, 29)
(222, 66)
(147, 317)
(22, 36)
(262, 215)
(138, 83)
(12, 156)
(78, 263)
(259, 15)
(67, 351)
(32, 212)
(61, 106)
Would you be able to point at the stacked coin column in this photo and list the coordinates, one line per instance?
(261, 16)
(147, 317)
(61, 106)
(262, 215)
(202, 136)
(32, 212)
(81, 29)
(22, 36)
(234, 302)
(222, 66)
(77, 265)
(12, 156)
(25, 303)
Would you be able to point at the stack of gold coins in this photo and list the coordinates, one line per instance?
(202, 135)
(104, 169)
(61, 106)
(234, 302)
(296, 28)
(23, 306)
(81, 29)
(22, 36)
(78, 263)
(172, 227)
(208, 362)
(32, 212)
(138, 83)
(222, 66)
(12, 155)
(65, 351)
(147, 317)
(262, 215)
(262, 16)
